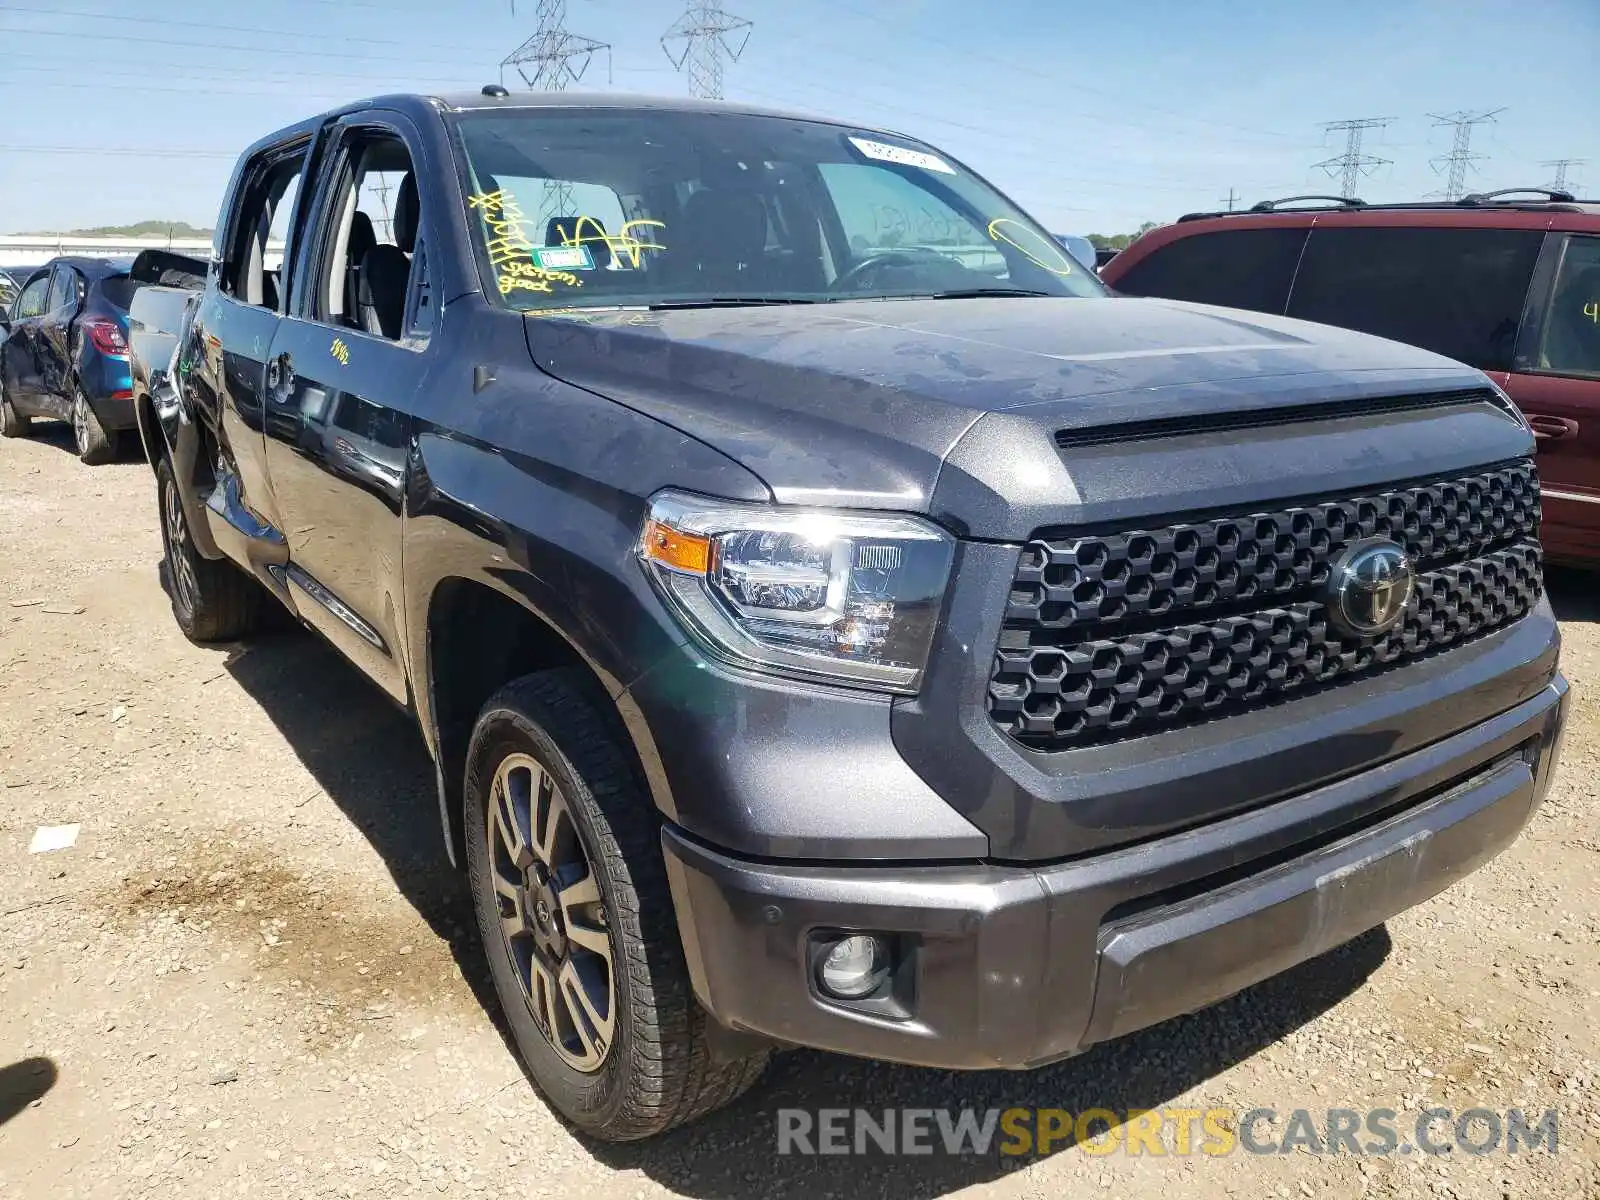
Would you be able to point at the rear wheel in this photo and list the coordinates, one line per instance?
(564, 857)
(95, 443)
(12, 423)
(212, 600)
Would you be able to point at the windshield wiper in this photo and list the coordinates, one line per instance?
(981, 292)
(730, 302)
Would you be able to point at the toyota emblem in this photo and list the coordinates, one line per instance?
(1369, 587)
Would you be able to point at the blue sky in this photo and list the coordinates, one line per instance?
(1093, 116)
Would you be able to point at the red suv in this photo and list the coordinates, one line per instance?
(1507, 282)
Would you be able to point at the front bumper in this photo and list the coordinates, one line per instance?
(1017, 966)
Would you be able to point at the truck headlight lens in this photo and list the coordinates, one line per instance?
(844, 596)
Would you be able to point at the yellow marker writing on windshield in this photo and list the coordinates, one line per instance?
(1592, 311)
(1041, 251)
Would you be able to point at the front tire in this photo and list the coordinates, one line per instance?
(565, 863)
(212, 600)
(94, 442)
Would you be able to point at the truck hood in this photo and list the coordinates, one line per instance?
(861, 403)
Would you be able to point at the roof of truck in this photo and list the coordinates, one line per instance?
(463, 101)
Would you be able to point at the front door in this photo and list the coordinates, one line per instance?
(1557, 385)
(53, 342)
(21, 350)
(348, 363)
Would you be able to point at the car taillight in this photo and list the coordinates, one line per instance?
(106, 336)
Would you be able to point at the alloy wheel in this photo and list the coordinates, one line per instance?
(80, 423)
(180, 565)
(552, 917)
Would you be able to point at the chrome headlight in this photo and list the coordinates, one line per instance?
(851, 597)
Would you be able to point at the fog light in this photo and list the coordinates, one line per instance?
(853, 967)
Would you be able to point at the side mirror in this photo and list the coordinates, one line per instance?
(1081, 248)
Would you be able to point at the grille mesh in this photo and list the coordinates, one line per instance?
(1117, 635)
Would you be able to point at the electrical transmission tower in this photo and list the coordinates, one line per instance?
(1350, 166)
(1561, 166)
(557, 57)
(700, 38)
(1460, 157)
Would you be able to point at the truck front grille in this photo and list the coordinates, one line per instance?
(1116, 635)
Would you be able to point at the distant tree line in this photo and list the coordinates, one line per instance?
(1119, 241)
(176, 229)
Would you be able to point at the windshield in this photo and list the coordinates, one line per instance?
(583, 208)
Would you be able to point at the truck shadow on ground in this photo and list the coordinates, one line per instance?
(369, 758)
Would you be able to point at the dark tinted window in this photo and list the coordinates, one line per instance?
(1571, 343)
(118, 289)
(1237, 268)
(1458, 292)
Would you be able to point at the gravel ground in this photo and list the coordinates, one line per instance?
(253, 973)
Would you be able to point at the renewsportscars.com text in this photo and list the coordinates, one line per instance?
(1166, 1131)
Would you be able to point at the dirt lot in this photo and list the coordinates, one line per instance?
(253, 973)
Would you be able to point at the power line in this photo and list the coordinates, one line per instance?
(1350, 166)
(1231, 198)
(257, 48)
(703, 34)
(1460, 156)
(278, 34)
(1053, 76)
(1558, 182)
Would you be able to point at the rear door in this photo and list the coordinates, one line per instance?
(21, 363)
(1556, 383)
(234, 329)
(53, 342)
(348, 363)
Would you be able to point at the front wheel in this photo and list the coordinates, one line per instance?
(212, 600)
(564, 858)
(95, 443)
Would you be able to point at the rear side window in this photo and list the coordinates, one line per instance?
(1237, 268)
(252, 269)
(1571, 341)
(1457, 292)
(119, 290)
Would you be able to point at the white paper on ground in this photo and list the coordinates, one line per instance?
(52, 837)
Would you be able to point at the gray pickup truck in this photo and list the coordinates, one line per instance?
(835, 619)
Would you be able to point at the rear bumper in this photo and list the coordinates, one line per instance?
(1017, 966)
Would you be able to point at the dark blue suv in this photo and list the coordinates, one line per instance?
(64, 354)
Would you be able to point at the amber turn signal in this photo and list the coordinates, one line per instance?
(676, 550)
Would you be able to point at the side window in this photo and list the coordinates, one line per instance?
(882, 211)
(371, 262)
(1236, 268)
(63, 289)
(31, 301)
(1571, 341)
(253, 268)
(1457, 292)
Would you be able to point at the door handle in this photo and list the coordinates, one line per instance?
(280, 377)
(1552, 429)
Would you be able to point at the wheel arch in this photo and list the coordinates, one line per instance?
(481, 635)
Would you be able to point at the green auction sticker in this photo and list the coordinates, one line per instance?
(564, 258)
